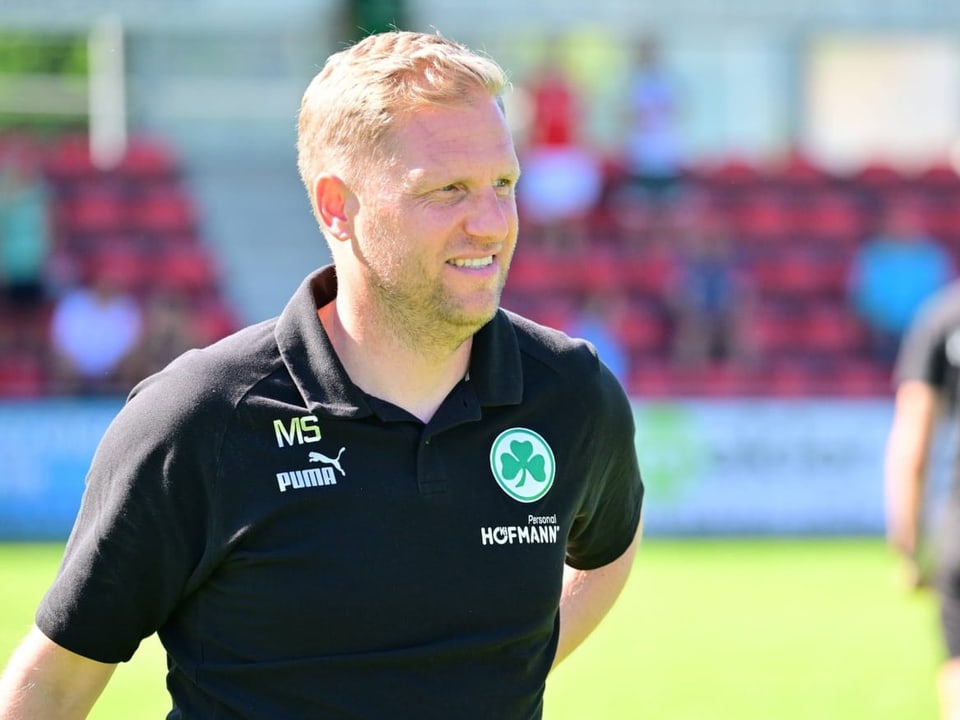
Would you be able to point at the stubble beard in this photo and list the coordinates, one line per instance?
(411, 303)
(423, 316)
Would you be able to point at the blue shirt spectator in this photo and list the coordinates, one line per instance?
(893, 273)
(597, 322)
(24, 230)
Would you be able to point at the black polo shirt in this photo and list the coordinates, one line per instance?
(930, 351)
(305, 550)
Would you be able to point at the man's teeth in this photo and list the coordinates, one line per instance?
(473, 262)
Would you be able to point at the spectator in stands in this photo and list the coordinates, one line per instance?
(554, 102)
(652, 149)
(169, 330)
(708, 294)
(893, 273)
(24, 228)
(93, 331)
(562, 177)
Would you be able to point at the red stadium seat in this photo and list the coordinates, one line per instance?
(799, 172)
(763, 218)
(796, 378)
(164, 212)
(879, 174)
(730, 172)
(801, 272)
(22, 375)
(68, 159)
(93, 211)
(832, 217)
(599, 271)
(939, 177)
(149, 160)
(943, 221)
(830, 328)
(776, 331)
(651, 378)
(126, 265)
(213, 320)
(645, 274)
(534, 270)
(643, 331)
(855, 377)
(187, 269)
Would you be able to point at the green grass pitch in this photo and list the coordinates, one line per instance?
(705, 630)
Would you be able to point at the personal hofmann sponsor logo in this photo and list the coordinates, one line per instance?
(523, 464)
(321, 476)
(540, 529)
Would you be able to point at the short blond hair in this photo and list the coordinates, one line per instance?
(352, 102)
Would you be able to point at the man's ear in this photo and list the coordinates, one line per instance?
(336, 206)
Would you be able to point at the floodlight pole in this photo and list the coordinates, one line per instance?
(107, 92)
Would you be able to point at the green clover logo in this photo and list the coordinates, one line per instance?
(523, 464)
(522, 460)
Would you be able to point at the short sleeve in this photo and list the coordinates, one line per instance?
(609, 515)
(922, 353)
(141, 529)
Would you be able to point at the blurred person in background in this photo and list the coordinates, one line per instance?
(597, 320)
(927, 380)
(708, 295)
(652, 149)
(169, 330)
(396, 500)
(563, 178)
(25, 229)
(893, 273)
(93, 331)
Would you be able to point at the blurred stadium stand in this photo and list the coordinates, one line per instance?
(138, 218)
(798, 246)
(206, 198)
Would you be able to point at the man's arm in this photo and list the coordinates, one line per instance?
(587, 596)
(44, 680)
(916, 410)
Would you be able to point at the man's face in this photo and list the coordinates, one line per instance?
(437, 230)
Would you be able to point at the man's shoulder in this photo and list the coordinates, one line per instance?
(567, 374)
(193, 400)
(943, 308)
(220, 373)
(533, 335)
(553, 348)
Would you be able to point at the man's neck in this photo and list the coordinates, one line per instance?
(415, 378)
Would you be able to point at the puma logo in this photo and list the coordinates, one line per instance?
(321, 458)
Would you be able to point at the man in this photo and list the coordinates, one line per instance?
(928, 384)
(393, 501)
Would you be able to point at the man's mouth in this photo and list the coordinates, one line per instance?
(472, 262)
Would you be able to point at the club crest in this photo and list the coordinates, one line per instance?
(523, 464)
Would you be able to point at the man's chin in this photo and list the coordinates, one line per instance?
(469, 321)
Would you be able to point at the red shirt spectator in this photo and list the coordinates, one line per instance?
(554, 109)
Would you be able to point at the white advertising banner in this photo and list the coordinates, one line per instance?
(45, 450)
(767, 466)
